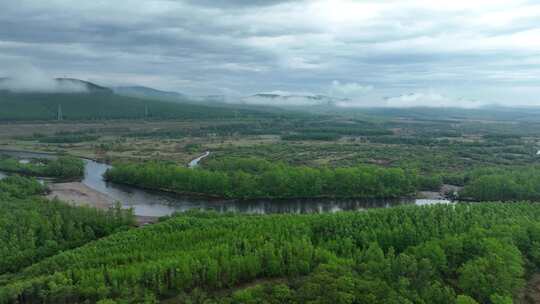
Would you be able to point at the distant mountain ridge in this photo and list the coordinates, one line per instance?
(51, 86)
(90, 86)
(146, 92)
(40, 99)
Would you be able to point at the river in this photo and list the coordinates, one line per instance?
(155, 203)
(195, 162)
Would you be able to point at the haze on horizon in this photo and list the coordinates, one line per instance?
(371, 53)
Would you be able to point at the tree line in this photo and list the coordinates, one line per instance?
(463, 253)
(64, 167)
(503, 184)
(251, 178)
(255, 178)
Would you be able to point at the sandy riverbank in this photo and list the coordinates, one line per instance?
(79, 194)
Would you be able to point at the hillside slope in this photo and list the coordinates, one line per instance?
(83, 100)
(149, 93)
(98, 106)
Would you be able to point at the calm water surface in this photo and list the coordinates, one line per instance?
(154, 203)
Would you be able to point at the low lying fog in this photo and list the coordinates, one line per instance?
(29, 80)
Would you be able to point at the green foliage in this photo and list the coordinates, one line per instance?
(252, 165)
(267, 293)
(431, 183)
(503, 185)
(32, 228)
(400, 255)
(192, 147)
(312, 136)
(362, 129)
(461, 299)
(497, 270)
(63, 167)
(20, 187)
(253, 178)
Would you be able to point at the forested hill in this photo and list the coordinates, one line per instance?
(85, 85)
(100, 105)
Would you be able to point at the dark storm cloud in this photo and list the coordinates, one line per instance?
(434, 48)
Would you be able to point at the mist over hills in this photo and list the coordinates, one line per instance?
(88, 86)
(51, 85)
(37, 83)
(43, 85)
(147, 92)
(291, 99)
(83, 100)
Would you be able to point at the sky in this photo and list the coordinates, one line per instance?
(383, 52)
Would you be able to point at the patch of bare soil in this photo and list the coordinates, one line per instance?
(430, 195)
(531, 292)
(80, 195)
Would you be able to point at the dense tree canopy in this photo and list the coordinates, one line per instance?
(464, 253)
(254, 178)
(503, 184)
(32, 228)
(64, 167)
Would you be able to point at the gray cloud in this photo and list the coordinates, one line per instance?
(238, 3)
(459, 50)
(431, 99)
(27, 79)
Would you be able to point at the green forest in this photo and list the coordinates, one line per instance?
(64, 167)
(255, 178)
(33, 228)
(503, 184)
(103, 106)
(250, 178)
(464, 253)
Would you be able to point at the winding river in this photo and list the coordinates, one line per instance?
(195, 162)
(154, 203)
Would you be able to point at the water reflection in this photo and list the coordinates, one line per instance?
(301, 206)
(154, 203)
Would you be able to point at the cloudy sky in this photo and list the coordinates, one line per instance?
(380, 52)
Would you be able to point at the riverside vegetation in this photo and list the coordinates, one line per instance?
(250, 178)
(255, 178)
(62, 168)
(504, 184)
